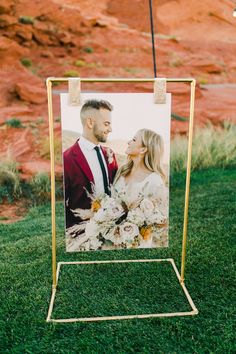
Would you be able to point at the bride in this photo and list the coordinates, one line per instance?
(143, 169)
(143, 174)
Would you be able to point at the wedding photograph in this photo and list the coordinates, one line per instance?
(116, 171)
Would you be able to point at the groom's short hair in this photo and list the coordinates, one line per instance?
(92, 105)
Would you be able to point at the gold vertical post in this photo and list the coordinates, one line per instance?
(190, 139)
(53, 203)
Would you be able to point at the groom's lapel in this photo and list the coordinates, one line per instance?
(82, 162)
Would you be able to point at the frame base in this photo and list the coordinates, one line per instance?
(125, 317)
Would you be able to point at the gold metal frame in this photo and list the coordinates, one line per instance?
(56, 266)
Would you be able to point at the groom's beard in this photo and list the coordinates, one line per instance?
(99, 135)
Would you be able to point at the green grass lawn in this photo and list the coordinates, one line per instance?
(25, 271)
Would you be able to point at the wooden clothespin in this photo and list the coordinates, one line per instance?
(160, 91)
(74, 89)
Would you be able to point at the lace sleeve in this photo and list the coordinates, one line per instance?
(155, 190)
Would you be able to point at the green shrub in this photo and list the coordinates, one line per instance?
(6, 194)
(14, 123)
(56, 83)
(45, 149)
(26, 20)
(80, 63)
(178, 117)
(3, 218)
(40, 187)
(211, 148)
(175, 61)
(202, 80)
(130, 70)
(9, 181)
(88, 50)
(71, 73)
(94, 65)
(26, 62)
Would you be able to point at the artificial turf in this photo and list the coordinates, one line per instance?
(25, 271)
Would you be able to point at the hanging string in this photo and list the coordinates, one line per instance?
(153, 39)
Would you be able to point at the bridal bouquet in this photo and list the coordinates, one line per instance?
(115, 222)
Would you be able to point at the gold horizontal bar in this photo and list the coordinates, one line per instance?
(98, 79)
(118, 261)
(128, 317)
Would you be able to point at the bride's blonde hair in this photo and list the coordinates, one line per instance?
(152, 158)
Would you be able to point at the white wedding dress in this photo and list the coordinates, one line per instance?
(154, 189)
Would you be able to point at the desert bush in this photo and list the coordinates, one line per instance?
(56, 83)
(45, 149)
(9, 181)
(130, 70)
(26, 62)
(178, 117)
(26, 20)
(14, 123)
(94, 65)
(80, 63)
(71, 73)
(175, 61)
(211, 148)
(40, 188)
(88, 50)
(202, 80)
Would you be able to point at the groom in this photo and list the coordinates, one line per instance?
(87, 163)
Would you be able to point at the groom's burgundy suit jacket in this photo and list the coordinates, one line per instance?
(78, 178)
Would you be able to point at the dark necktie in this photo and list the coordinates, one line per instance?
(104, 175)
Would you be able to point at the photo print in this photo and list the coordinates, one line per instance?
(116, 153)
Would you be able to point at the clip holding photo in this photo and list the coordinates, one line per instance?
(160, 91)
(74, 88)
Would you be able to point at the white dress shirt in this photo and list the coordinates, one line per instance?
(87, 148)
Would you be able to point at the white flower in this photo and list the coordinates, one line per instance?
(92, 229)
(116, 210)
(110, 210)
(90, 244)
(156, 217)
(147, 206)
(101, 215)
(128, 231)
(95, 243)
(105, 201)
(136, 216)
(85, 246)
(114, 236)
(153, 214)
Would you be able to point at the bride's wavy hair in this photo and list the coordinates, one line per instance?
(152, 158)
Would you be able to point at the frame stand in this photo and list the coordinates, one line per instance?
(56, 267)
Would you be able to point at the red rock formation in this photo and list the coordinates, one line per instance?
(31, 93)
(110, 38)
